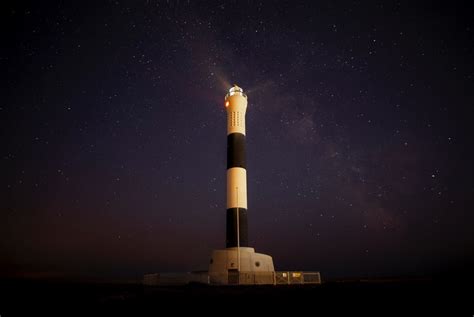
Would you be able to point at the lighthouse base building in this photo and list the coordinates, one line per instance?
(241, 266)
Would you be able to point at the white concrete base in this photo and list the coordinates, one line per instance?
(241, 266)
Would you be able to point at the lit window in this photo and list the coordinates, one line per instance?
(285, 275)
(296, 274)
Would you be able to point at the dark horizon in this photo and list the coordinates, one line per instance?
(359, 156)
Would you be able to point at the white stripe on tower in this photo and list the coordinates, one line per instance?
(236, 188)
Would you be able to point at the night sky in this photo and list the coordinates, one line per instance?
(113, 135)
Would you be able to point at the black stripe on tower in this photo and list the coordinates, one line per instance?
(236, 150)
(231, 239)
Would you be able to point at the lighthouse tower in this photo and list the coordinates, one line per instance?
(238, 263)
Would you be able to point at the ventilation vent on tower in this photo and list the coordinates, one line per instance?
(236, 119)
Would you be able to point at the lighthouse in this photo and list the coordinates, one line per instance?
(238, 263)
(237, 228)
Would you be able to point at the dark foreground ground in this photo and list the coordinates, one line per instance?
(420, 297)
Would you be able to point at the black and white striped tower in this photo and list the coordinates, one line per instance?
(237, 228)
(238, 262)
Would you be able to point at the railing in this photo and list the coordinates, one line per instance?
(234, 278)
